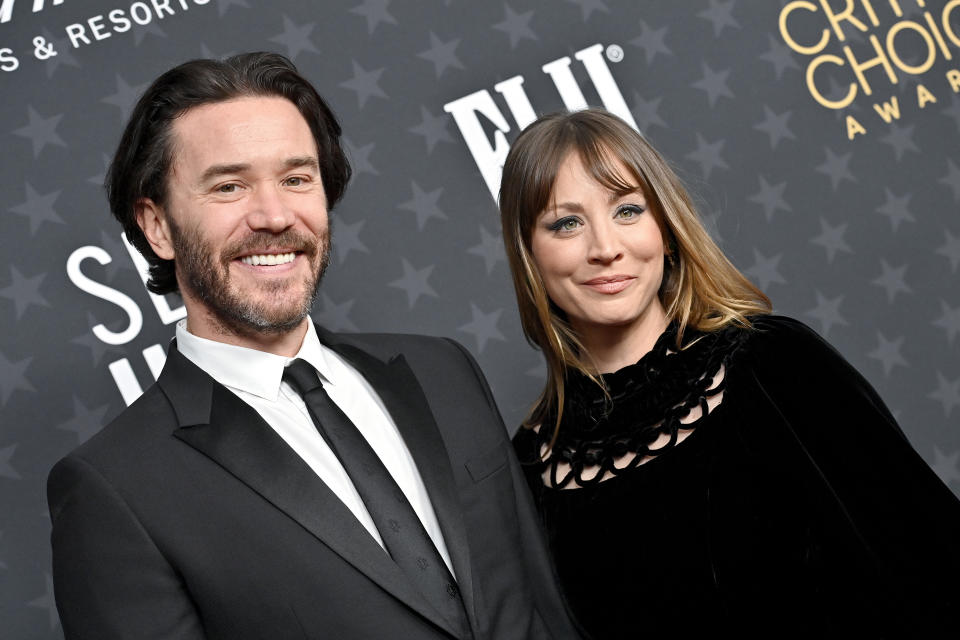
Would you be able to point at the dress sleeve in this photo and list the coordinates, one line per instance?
(907, 520)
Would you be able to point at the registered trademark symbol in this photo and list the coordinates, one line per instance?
(614, 53)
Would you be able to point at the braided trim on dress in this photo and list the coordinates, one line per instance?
(648, 400)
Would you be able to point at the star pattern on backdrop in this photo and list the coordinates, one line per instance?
(764, 270)
(359, 157)
(714, 84)
(827, 313)
(98, 179)
(365, 84)
(770, 197)
(38, 208)
(375, 12)
(6, 467)
(707, 155)
(950, 249)
(953, 111)
(947, 394)
(125, 97)
(587, 7)
(780, 56)
(831, 239)
(652, 41)
(947, 467)
(118, 252)
(414, 282)
(775, 126)
(888, 353)
(949, 321)
(224, 5)
(837, 168)
(483, 326)
(424, 204)
(334, 316)
(896, 208)
(952, 179)
(900, 139)
(490, 249)
(98, 348)
(417, 225)
(645, 112)
(432, 128)
(295, 38)
(84, 422)
(41, 131)
(720, 15)
(24, 291)
(64, 53)
(516, 26)
(442, 54)
(47, 602)
(891, 279)
(140, 32)
(346, 238)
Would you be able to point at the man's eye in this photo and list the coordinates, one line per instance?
(295, 181)
(227, 188)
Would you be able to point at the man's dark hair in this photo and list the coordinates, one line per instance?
(142, 162)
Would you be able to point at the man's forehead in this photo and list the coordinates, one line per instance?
(241, 131)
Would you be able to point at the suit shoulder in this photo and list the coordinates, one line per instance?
(135, 428)
(389, 343)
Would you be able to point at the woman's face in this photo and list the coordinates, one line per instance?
(600, 255)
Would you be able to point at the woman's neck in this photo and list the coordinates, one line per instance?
(611, 348)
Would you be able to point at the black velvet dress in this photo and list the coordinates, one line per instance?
(795, 507)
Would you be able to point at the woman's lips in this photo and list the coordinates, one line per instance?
(610, 284)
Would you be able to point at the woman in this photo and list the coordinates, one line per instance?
(701, 465)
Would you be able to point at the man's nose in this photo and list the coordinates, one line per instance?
(605, 244)
(269, 211)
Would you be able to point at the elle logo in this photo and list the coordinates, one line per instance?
(6, 8)
(490, 158)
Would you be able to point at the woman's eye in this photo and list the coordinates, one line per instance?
(629, 212)
(295, 181)
(565, 224)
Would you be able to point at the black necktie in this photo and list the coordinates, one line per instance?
(403, 534)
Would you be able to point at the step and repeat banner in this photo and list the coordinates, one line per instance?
(821, 140)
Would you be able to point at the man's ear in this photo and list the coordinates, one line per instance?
(153, 222)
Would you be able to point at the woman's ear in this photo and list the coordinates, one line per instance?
(153, 222)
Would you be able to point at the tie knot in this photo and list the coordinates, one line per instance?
(301, 375)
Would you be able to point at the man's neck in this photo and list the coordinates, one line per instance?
(285, 344)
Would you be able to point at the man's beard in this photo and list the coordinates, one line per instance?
(244, 312)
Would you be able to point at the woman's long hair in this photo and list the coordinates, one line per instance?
(700, 289)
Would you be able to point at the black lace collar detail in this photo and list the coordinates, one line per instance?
(647, 399)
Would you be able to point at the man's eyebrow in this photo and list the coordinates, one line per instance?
(223, 169)
(301, 161)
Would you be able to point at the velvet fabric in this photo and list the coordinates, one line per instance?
(795, 508)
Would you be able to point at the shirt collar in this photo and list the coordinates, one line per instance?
(249, 370)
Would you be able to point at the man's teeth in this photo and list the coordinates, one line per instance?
(269, 259)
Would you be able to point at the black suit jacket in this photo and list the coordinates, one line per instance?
(189, 517)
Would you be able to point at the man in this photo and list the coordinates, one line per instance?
(280, 481)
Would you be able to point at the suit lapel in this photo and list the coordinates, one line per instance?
(404, 399)
(227, 430)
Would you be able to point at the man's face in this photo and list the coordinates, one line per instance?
(247, 216)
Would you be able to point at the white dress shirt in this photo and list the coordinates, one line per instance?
(256, 378)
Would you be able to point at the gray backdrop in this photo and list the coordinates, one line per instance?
(859, 238)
